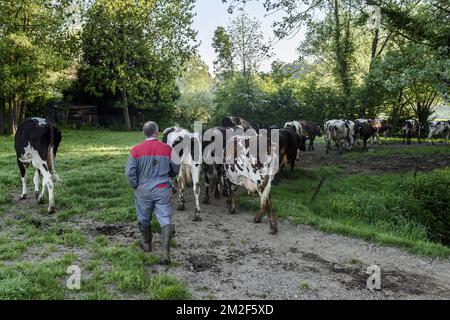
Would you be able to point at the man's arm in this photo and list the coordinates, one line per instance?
(131, 172)
(174, 169)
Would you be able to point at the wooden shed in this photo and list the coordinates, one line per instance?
(74, 115)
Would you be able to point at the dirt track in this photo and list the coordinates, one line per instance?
(229, 257)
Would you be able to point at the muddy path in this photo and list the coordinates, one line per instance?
(229, 257)
(370, 163)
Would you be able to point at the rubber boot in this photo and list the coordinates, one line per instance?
(146, 242)
(166, 234)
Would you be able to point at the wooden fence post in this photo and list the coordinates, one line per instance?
(313, 198)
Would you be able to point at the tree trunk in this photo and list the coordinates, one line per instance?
(2, 114)
(126, 115)
(22, 111)
(15, 114)
(10, 116)
(340, 54)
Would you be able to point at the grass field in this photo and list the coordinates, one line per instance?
(36, 249)
(33, 260)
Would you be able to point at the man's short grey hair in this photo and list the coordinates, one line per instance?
(150, 129)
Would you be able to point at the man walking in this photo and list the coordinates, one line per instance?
(149, 170)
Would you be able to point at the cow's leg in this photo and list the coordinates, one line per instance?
(181, 200)
(215, 187)
(36, 183)
(47, 180)
(231, 200)
(206, 199)
(327, 145)
(262, 207)
(196, 188)
(258, 216)
(272, 220)
(40, 199)
(341, 143)
(430, 138)
(197, 202)
(23, 177)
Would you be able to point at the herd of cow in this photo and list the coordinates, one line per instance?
(234, 164)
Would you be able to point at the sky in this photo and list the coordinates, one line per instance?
(213, 13)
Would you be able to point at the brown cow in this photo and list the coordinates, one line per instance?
(310, 132)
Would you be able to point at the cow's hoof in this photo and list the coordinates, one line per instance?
(256, 220)
(23, 197)
(232, 211)
(196, 218)
(273, 230)
(181, 207)
(51, 210)
(40, 200)
(36, 195)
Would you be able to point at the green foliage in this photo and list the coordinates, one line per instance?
(430, 193)
(196, 94)
(240, 48)
(134, 51)
(38, 41)
(224, 64)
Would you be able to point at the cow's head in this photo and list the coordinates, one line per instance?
(167, 132)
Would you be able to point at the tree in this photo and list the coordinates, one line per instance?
(413, 74)
(248, 46)
(224, 63)
(38, 43)
(196, 94)
(134, 50)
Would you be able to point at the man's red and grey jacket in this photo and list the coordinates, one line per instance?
(150, 166)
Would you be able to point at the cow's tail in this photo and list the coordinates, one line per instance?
(52, 149)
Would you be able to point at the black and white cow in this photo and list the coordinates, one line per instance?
(36, 143)
(213, 167)
(190, 164)
(342, 132)
(439, 128)
(411, 128)
(254, 169)
(297, 127)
